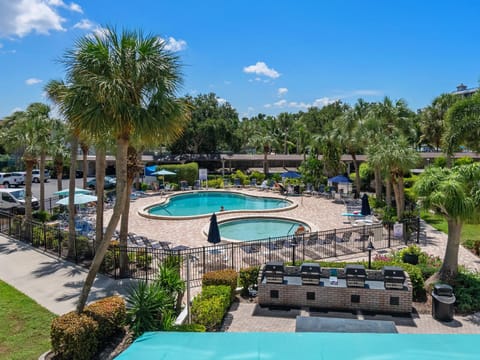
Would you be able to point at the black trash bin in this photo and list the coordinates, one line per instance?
(443, 301)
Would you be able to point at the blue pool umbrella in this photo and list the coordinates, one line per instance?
(365, 206)
(150, 169)
(78, 200)
(213, 231)
(339, 179)
(65, 192)
(291, 175)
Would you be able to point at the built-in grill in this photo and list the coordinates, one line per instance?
(274, 272)
(355, 275)
(310, 274)
(393, 277)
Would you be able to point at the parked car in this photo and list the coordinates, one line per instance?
(11, 179)
(20, 175)
(14, 199)
(36, 176)
(110, 183)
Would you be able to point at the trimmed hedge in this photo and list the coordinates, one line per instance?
(248, 277)
(110, 314)
(221, 291)
(227, 277)
(74, 337)
(208, 312)
(188, 328)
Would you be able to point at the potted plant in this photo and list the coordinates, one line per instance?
(410, 254)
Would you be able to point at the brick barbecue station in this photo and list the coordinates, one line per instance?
(370, 290)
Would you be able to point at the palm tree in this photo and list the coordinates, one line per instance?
(397, 157)
(265, 138)
(452, 193)
(128, 82)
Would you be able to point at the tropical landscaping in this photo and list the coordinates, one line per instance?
(119, 95)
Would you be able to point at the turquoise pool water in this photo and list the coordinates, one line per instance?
(290, 346)
(207, 202)
(258, 228)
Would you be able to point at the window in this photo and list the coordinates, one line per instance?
(6, 197)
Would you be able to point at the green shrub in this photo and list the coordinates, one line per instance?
(189, 328)
(146, 304)
(227, 277)
(41, 215)
(467, 291)
(248, 277)
(208, 312)
(74, 337)
(473, 245)
(221, 291)
(144, 187)
(110, 314)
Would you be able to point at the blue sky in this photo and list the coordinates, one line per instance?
(260, 56)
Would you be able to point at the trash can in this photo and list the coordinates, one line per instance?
(443, 300)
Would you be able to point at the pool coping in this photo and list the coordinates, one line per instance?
(144, 211)
(312, 227)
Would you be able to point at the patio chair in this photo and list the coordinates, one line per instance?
(330, 238)
(237, 183)
(308, 190)
(345, 237)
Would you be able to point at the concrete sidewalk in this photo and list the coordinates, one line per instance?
(53, 283)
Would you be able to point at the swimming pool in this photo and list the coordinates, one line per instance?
(204, 203)
(256, 228)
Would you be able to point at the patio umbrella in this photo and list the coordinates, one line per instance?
(291, 175)
(213, 231)
(65, 192)
(365, 206)
(163, 172)
(339, 179)
(78, 200)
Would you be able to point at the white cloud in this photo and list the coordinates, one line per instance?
(32, 81)
(301, 105)
(282, 91)
(221, 101)
(72, 6)
(84, 24)
(19, 18)
(174, 45)
(260, 68)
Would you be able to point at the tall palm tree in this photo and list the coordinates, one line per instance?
(128, 82)
(59, 149)
(454, 194)
(264, 138)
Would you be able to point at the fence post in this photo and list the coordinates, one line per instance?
(146, 264)
(45, 235)
(335, 242)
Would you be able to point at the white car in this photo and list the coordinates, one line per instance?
(11, 179)
(36, 176)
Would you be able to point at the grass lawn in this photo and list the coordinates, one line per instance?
(469, 231)
(25, 325)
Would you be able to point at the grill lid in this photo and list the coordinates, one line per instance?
(274, 266)
(355, 270)
(393, 272)
(310, 268)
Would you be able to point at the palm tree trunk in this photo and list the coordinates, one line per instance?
(449, 268)
(265, 160)
(29, 163)
(100, 182)
(388, 192)
(71, 198)
(121, 163)
(378, 182)
(59, 170)
(43, 155)
(124, 231)
(84, 164)
(396, 193)
(357, 172)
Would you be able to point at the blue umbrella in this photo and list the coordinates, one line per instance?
(291, 175)
(77, 191)
(365, 206)
(340, 179)
(213, 231)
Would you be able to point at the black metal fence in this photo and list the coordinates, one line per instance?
(144, 261)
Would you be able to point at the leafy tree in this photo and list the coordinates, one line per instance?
(453, 193)
(212, 127)
(264, 138)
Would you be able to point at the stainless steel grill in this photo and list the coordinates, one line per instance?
(393, 277)
(274, 272)
(355, 275)
(310, 273)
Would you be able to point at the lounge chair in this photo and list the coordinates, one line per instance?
(345, 237)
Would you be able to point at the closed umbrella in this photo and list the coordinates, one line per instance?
(78, 199)
(213, 231)
(365, 206)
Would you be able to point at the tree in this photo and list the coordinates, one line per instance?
(128, 83)
(58, 148)
(453, 193)
(397, 157)
(264, 138)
